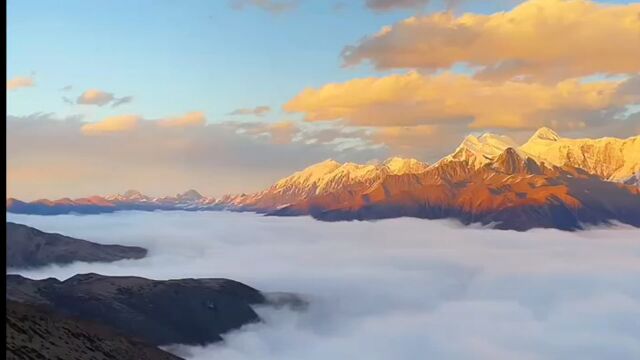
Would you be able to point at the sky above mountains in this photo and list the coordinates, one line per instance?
(227, 96)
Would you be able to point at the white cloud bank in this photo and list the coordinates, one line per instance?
(393, 289)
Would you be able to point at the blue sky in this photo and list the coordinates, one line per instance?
(178, 56)
(174, 58)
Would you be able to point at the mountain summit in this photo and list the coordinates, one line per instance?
(610, 158)
(544, 133)
(477, 151)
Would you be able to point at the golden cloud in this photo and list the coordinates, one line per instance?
(539, 39)
(412, 99)
(196, 118)
(20, 82)
(95, 97)
(113, 124)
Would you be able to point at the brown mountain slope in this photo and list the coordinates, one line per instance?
(39, 333)
(186, 311)
(29, 247)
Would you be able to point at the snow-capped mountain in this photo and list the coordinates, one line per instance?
(129, 200)
(510, 191)
(477, 151)
(549, 181)
(324, 178)
(330, 175)
(610, 158)
(399, 166)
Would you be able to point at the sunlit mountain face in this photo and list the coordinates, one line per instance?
(549, 181)
(314, 180)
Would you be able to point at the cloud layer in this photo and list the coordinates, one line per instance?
(392, 289)
(257, 111)
(539, 39)
(413, 99)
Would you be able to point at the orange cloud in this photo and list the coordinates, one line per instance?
(95, 97)
(412, 99)
(539, 39)
(196, 118)
(110, 125)
(20, 82)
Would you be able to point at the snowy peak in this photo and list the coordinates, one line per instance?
(315, 171)
(478, 151)
(128, 195)
(309, 177)
(544, 133)
(329, 175)
(190, 195)
(347, 176)
(132, 194)
(612, 159)
(399, 166)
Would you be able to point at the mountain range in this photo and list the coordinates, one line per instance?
(549, 181)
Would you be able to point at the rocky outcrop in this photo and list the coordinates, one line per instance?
(185, 311)
(29, 247)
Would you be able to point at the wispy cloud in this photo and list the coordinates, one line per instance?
(101, 98)
(19, 82)
(257, 111)
(121, 101)
(388, 5)
(273, 6)
(95, 97)
(281, 132)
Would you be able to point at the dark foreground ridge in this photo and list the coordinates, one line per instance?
(34, 332)
(29, 247)
(185, 311)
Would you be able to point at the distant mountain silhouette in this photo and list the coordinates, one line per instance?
(29, 247)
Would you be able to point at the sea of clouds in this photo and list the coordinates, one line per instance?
(392, 289)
